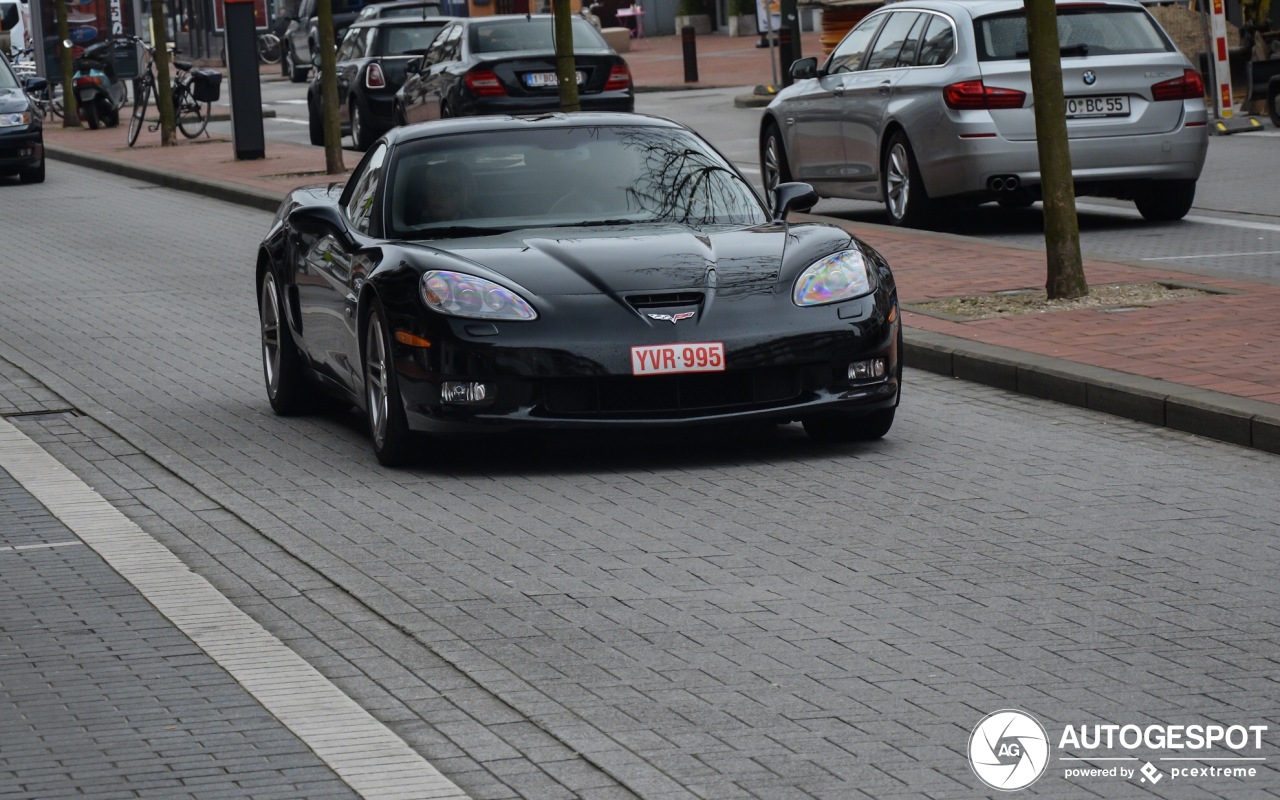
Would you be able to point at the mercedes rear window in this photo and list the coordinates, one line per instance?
(1082, 31)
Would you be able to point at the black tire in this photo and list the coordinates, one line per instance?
(141, 98)
(1273, 100)
(904, 196)
(847, 427)
(193, 116)
(297, 73)
(282, 367)
(774, 167)
(315, 125)
(33, 175)
(361, 136)
(388, 428)
(285, 59)
(1166, 201)
(112, 119)
(91, 115)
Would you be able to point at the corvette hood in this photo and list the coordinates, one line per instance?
(12, 100)
(627, 260)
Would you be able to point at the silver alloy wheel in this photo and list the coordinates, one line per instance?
(772, 166)
(897, 180)
(376, 352)
(269, 313)
(357, 135)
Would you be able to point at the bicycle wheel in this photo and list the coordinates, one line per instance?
(193, 115)
(141, 97)
(268, 48)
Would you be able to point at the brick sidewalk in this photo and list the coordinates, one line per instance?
(1217, 355)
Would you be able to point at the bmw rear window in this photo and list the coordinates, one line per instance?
(1082, 31)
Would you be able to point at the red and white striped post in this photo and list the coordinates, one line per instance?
(1222, 68)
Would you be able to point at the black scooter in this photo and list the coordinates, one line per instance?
(99, 94)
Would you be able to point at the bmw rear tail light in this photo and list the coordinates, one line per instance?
(484, 83)
(975, 95)
(619, 78)
(1189, 87)
(373, 78)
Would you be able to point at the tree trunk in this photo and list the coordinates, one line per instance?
(70, 107)
(1065, 278)
(164, 84)
(329, 90)
(566, 68)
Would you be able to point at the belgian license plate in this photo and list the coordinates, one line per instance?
(665, 359)
(1116, 105)
(541, 80)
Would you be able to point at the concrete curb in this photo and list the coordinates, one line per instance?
(1214, 415)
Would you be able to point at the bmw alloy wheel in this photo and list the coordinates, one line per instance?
(897, 181)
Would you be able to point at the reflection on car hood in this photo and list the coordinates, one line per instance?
(558, 261)
(12, 100)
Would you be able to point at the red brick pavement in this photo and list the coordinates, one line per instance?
(1226, 343)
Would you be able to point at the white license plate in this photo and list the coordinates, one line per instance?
(665, 359)
(541, 80)
(1109, 106)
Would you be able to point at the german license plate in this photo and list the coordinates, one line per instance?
(541, 80)
(665, 359)
(1116, 105)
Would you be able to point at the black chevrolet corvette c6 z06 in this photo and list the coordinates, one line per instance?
(585, 271)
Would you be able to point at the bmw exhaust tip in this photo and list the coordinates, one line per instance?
(1003, 183)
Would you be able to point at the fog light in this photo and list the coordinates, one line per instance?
(865, 370)
(463, 392)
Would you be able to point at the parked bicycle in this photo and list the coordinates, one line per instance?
(48, 99)
(194, 91)
(269, 48)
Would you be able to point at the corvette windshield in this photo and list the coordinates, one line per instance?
(588, 176)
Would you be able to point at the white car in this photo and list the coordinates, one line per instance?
(931, 100)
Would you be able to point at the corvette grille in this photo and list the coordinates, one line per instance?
(671, 393)
(665, 300)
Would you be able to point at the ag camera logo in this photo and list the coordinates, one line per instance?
(1009, 750)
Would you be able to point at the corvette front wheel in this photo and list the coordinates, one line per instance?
(387, 425)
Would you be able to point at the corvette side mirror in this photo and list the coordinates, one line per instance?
(788, 197)
(320, 221)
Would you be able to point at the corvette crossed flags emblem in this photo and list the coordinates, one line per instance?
(672, 318)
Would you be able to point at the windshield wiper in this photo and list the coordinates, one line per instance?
(1081, 49)
(455, 231)
(597, 223)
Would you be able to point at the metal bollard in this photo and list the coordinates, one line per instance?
(689, 40)
(786, 52)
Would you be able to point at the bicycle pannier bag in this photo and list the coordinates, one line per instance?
(206, 85)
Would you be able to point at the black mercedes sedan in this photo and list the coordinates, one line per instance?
(371, 67)
(507, 65)
(21, 126)
(583, 271)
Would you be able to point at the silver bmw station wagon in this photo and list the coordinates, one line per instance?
(930, 101)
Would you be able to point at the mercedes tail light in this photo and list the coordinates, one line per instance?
(1189, 87)
(619, 78)
(484, 83)
(976, 95)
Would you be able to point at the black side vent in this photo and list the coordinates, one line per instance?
(666, 300)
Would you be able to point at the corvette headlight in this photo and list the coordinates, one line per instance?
(10, 120)
(839, 276)
(460, 295)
